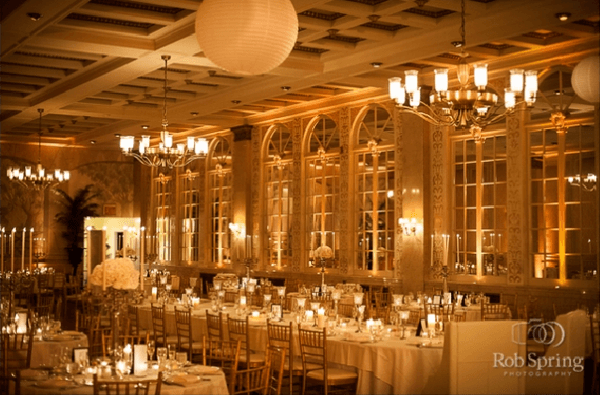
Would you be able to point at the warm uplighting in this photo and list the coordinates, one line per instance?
(165, 155)
(39, 179)
(471, 106)
(587, 183)
(238, 230)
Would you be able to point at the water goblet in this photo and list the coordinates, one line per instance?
(150, 349)
(161, 355)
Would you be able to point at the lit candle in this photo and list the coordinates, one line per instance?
(12, 249)
(242, 300)
(321, 317)
(309, 314)
(31, 249)
(457, 248)
(431, 321)
(103, 265)
(154, 293)
(23, 250)
(142, 229)
(2, 259)
(88, 260)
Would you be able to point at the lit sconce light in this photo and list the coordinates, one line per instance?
(410, 226)
(238, 230)
(390, 193)
(588, 183)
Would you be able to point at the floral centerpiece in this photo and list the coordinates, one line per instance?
(116, 273)
(324, 252)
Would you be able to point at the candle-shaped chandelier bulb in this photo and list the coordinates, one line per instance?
(40, 179)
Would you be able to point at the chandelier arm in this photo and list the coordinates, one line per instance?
(437, 120)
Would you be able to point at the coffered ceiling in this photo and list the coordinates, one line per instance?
(95, 66)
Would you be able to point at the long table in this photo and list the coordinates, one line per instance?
(391, 366)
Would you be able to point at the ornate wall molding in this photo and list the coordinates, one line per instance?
(296, 130)
(255, 189)
(344, 129)
(515, 201)
(398, 169)
(437, 198)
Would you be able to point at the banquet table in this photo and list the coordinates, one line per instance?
(47, 351)
(207, 384)
(390, 366)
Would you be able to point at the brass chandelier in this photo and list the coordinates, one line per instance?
(165, 155)
(39, 179)
(468, 107)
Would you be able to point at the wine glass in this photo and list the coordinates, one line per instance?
(161, 355)
(150, 350)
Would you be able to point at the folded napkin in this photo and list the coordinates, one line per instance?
(54, 383)
(358, 337)
(184, 379)
(202, 369)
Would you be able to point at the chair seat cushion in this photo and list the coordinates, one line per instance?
(196, 346)
(333, 375)
(171, 339)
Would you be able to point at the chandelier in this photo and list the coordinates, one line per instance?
(165, 155)
(471, 105)
(587, 183)
(40, 179)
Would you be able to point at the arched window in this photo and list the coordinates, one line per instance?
(374, 153)
(220, 199)
(322, 175)
(189, 201)
(278, 196)
(164, 215)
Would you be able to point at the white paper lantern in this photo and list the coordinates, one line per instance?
(247, 37)
(586, 79)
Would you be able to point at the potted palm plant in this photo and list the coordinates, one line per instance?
(71, 217)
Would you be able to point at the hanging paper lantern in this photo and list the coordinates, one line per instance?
(586, 79)
(247, 37)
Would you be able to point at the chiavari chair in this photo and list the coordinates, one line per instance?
(444, 312)
(313, 347)
(239, 330)
(10, 383)
(16, 351)
(280, 336)
(214, 326)
(251, 380)
(494, 312)
(185, 342)
(135, 328)
(133, 387)
(159, 327)
(222, 353)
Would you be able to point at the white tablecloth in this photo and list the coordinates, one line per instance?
(391, 366)
(44, 353)
(214, 384)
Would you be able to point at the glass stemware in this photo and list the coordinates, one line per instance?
(150, 349)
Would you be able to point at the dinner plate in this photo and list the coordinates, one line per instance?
(55, 384)
(183, 379)
(202, 369)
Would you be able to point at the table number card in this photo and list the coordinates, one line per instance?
(140, 358)
(277, 311)
(80, 355)
(436, 299)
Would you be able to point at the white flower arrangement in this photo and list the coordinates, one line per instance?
(116, 273)
(324, 252)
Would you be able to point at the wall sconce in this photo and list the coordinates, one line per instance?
(410, 226)
(238, 230)
(588, 183)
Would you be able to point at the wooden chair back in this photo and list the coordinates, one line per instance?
(494, 312)
(214, 326)
(16, 351)
(128, 387)
(280, 337)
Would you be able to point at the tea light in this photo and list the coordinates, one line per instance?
(195, 302)
(358, 298)
(256, 314)
(121, 366)
(154, 293)
(21, 320)
(242, 300)
(430, 320)
(321, 318)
